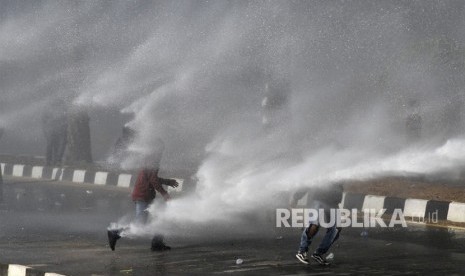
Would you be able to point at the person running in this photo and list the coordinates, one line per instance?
(325, 198)
(148, 183)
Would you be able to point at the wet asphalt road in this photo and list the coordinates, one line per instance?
(56, 227)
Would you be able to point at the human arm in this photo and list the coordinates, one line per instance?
(156, 183)
(169, 182)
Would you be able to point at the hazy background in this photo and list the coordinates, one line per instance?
(195, 73)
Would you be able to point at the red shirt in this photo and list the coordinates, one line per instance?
(146, 184)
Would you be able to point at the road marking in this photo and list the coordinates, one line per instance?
(37, 172)
(456, 212)
(101, 178)
(373, 202)
(57, 174)
(124, 180)
(79, 176)
(17, 270)
(22, 270)
(18, 170)
(415, 208)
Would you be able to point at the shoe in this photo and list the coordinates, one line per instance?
(158, 244)
(302, 257)
(113, 236)
(319, 259)
(161, 247)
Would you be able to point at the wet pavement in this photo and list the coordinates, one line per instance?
(62, 229)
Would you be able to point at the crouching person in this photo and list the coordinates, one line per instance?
(319, 198)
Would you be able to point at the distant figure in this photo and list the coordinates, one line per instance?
(1, 176)
(413, 122)
(274, 103)
(55, 126)
(120, 149)
(147, 185)
(452, 117)
(79, 144)
(325, 198)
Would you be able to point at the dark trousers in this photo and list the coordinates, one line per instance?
(56, 145)
(1, 187)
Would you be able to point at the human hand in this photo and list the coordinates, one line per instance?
(173, 183)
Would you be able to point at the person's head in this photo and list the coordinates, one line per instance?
(158, 149)
(155, 154)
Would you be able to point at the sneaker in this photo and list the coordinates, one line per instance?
(113, 236)
(302, 257)
(162, 247)
(158, 244)
(319, 259)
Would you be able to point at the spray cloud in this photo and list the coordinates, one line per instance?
(337, 78)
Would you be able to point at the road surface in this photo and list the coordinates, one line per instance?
(61, 228)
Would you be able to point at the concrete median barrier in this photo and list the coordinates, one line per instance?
(21, 270)
(77, 175)
(123, 179)
(419, 210)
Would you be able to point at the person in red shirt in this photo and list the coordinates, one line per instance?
(147, 185)
(143, 194)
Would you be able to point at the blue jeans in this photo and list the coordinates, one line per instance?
(141, 211)
(141, 218)
(332, 233)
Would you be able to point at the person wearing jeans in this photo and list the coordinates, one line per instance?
(147, 185)
(141, 211)
(322, 198)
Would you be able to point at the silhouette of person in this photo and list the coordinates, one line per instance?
(78, 135)
(55, 125)
(413, 122)
(1, 176)
(120, 149)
